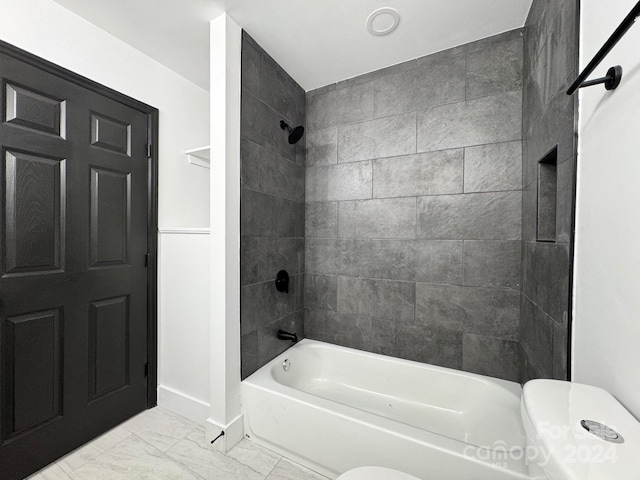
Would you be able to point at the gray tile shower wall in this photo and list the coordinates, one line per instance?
(272, 207)
(413, 210)
(550, 66)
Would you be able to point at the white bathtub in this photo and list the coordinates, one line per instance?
(337, 408)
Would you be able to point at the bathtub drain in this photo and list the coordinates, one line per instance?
(286, 365)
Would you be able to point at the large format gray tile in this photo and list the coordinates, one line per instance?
(418, 343)
(387, 218)
(261, 124)
(321, 219)
(250, 165)
(247, 453)
(545, 280)
(560, 352)
(495, 167)
(321, 255)
(487, 42)
(442, 56)
(439, 261)
(485, 120)
(536, 336)
(384, 137)
(320, 91)
(280, 253)
(533, 101)
(281, 177)
(435, 84)
(383, 299)
(287, 470)
(269, 173)
(263, 215)
(322, 147)
(260, 304)
(337, 107)
(353, 331)
(349, 181)
(299, 220)
(547, 202)
(397, 68)
(476, 216)
(321, 291)
(269, 345)
(210, 464)
(297, 282)
(281, 92)
(485, 311)
(565, 200)
(562, 50)
(133, 459)
(491, 356)
(386, 259)
(495, 69)
(90, 451)
(555, 128)
(245, 460)
(529, 212)
(492, 263)
(251, 55)
(422, 174)
(159, 427)
(554, 60)
(248, 353)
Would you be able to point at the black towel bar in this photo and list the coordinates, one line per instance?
(614, 75)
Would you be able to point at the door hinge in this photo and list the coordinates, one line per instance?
(149, 149)
(146, 370)
(147, 260)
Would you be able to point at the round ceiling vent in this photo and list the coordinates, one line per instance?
(383, 21)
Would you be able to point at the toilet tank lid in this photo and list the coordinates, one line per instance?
(555, 411)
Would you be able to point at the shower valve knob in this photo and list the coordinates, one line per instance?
(282, 281)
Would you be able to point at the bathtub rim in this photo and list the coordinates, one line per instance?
(264, 381)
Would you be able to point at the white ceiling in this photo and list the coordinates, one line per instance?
(317, 42)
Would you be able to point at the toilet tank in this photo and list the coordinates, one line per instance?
(579, 432)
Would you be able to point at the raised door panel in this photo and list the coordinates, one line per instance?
(108, 346)
(110, 134)
(33, 214)
(35, 111)
(32, 371)
(110, 217)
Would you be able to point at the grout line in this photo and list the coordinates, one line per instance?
(274, 467)
(425, 152)
(423, 108)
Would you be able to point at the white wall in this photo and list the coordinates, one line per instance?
(48, 30)
(183, 374)
(226, 46)
(607, 272)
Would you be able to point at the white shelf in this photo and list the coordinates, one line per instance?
(199, 156)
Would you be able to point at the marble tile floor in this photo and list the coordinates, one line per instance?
(158, 444)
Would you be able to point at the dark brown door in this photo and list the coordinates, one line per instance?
(73, 279)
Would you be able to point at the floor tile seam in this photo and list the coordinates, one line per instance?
(78, 450)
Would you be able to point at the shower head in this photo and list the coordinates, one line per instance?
(295, 134)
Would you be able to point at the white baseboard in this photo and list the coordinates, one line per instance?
(233, 433)
(182, 404)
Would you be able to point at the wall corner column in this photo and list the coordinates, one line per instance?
(225, 415)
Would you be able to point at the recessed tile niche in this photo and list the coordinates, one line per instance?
(547, 197)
